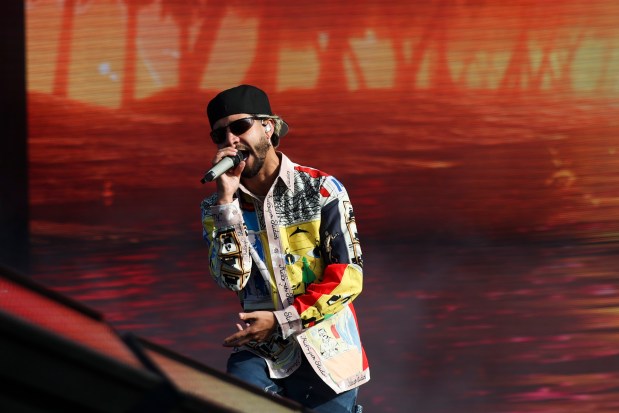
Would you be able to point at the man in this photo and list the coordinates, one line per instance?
(284, 237)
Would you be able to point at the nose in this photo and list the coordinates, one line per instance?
(231, 138)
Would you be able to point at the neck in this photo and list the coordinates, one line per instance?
(261, 183)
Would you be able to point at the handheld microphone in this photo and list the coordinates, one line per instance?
(223, 166)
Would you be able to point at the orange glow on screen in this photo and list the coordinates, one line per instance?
(563, 45)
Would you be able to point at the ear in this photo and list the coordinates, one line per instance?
(268, 125)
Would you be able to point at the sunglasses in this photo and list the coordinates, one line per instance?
(238, 127)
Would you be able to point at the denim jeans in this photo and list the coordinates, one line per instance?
(303, 386)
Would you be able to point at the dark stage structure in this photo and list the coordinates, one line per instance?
(58, 355)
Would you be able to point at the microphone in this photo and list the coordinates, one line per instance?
(223, 166)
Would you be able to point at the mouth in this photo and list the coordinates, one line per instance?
(244, 153)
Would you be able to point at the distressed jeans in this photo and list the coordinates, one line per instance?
(302, 386)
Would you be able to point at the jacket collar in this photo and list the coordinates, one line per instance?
(286, 172)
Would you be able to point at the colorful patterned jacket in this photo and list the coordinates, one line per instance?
(296, 252)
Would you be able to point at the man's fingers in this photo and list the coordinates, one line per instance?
(246, 317)
(253, 327)
(239, 338)
(233, 340)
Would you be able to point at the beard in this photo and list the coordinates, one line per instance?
(259, 153)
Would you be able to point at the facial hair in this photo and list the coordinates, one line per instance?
(259, 153)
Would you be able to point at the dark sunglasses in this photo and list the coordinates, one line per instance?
(238, 127)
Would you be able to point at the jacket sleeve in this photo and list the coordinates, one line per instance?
(342, 279)
(225, 233)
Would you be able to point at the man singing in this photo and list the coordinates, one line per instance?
(284, 238)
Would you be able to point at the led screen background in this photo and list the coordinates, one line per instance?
(477, 140)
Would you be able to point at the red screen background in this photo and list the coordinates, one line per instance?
(477, 140)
